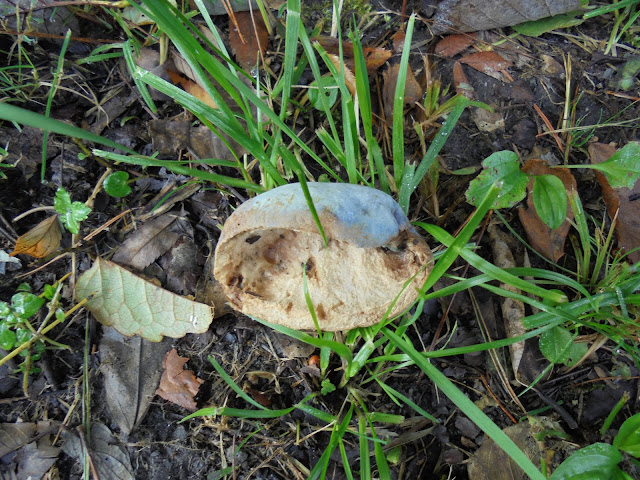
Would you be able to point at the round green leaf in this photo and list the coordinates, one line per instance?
(26, 304)
(323, 86)
(22, 336)
(116, 184)
(7, 337)
(628, 438)
(554, 344)
(550, 199)
(499, 167)
(595, 462)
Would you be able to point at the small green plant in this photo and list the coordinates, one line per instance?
(20, 331)
(549, 194)
(600, 460)
(71, 213)
(117, 184)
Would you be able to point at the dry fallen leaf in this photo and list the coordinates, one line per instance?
(349, 77)
(134, 306)
(548, 242)
(191, 87)
(374, 57)
(486, 62)
(151, 240)
(41, 240)
(178, 385)
(461, 82)
(412, 89)
(248, 38)
(621, 202)
(454, 44)
(512, 309)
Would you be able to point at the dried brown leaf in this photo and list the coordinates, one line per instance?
(191, 87)
(454, 44)
(178, 385)
(412, 90)
(132, 367)
(461, 82)
(548, 242)
(41, 240)
(486, 62)
(349, 77)
(621, 202)
(248, 38)
(151, 240)
(374, 57)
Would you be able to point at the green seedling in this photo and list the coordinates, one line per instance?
(550, 201)
(117, 184)
(71, 213)
(600, 460)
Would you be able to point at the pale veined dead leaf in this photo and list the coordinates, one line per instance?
(248, 38)
(134, 306)
(41, 241)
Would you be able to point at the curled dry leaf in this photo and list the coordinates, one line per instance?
(191, 87)
(248, 38)
(349, 77)
(452, 45)
(178, 385)
(412, 89)
(374, 57)
(512, 309)
(134, 306)
(461, 82)
(486, 62)
(549, 242)
(372, 252)
(41, 241)
(621, 202)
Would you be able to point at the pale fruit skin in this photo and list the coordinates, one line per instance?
(372, 252)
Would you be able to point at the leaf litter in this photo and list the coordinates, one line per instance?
(178, 385)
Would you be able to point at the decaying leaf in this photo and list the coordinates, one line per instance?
(486, 120)
(374, 57)
(35, 459)
(512, 309)
(41, 240)
(472, 15)
(152, 240)
(178, 385)
(486, 62)
(549, 242)
(132, 367)
(35, 453)
(490, 462)
(109, 457)
(412, 89)
(248, 38)
(454, 44)
(621, 202)
(134, 306)
(16, 435)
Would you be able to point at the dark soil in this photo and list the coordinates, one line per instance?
(258, 359)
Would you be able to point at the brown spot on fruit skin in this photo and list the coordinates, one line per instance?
(320, 312)
(253, 239)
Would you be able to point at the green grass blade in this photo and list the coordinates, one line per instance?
(36, 120)
(397, 139)
(234, 386)
(52, 93)
(469, 408)
(142, 88)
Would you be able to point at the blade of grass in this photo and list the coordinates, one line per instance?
(48, 124)
(52, 93)
(469, 408)
(397, 136)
